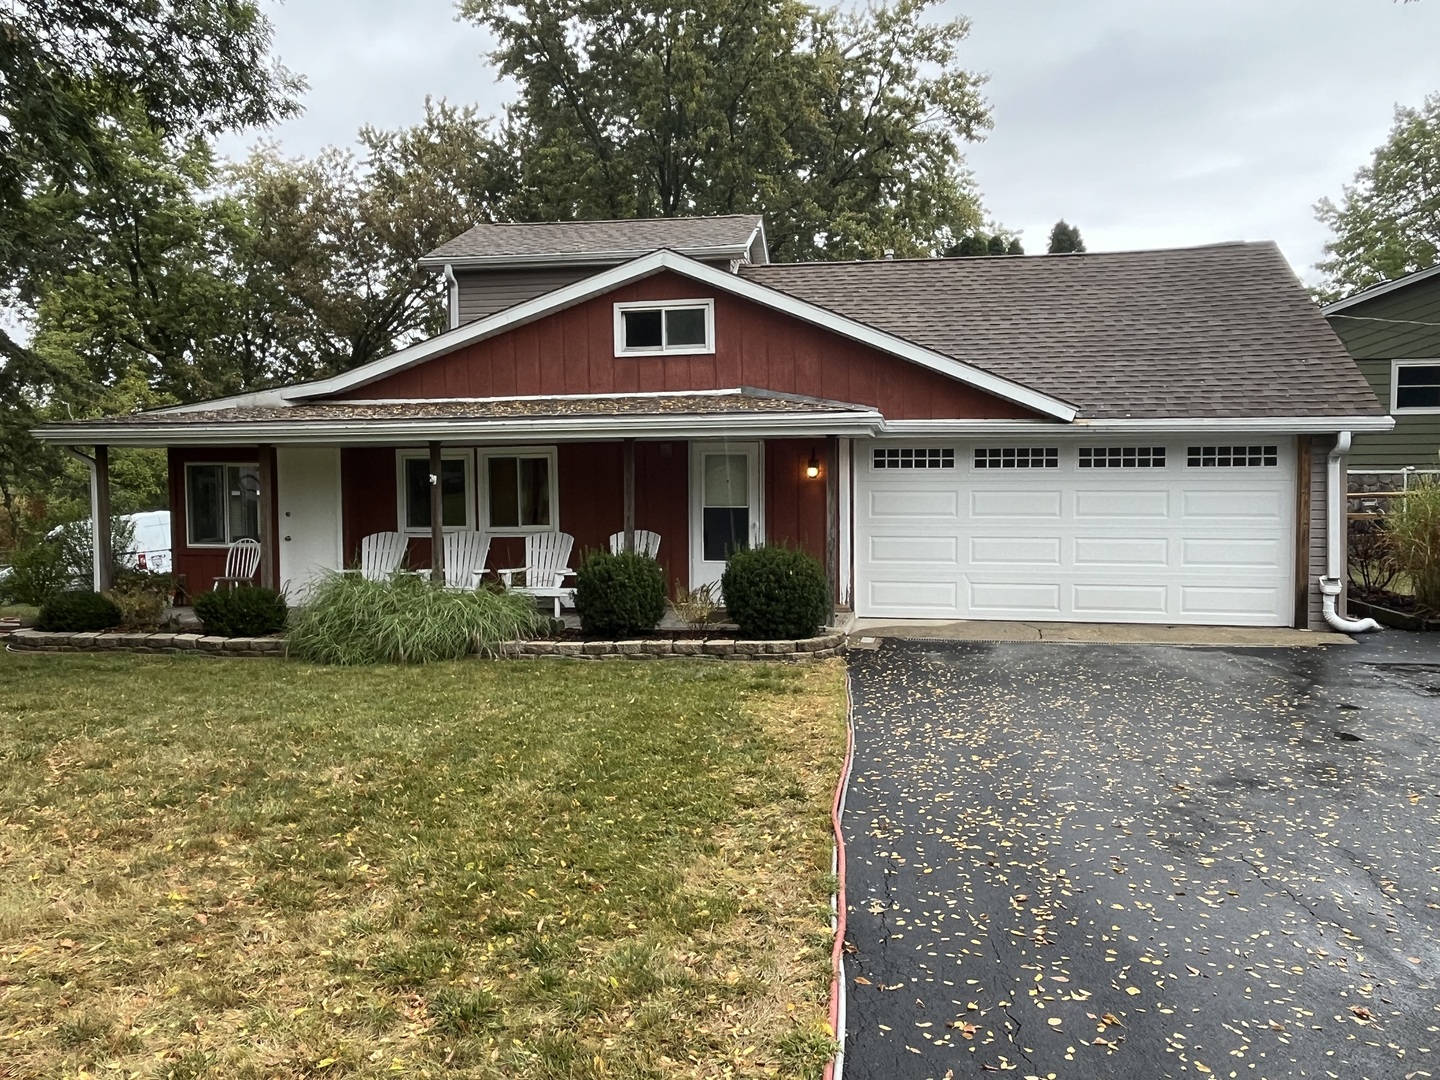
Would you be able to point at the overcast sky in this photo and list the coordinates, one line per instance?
(1147, 123)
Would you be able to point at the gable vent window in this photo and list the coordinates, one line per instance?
(669, 326)
(1121, 457)
(1018, 457)
(1231, 457)
(905, 457)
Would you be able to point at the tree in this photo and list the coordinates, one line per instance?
(1065, 239)
(1387, 223)
(1015, 247)
(843, 127)
(996, 245)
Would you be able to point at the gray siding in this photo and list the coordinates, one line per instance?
(1320, 447)
(484, 292)
(1404, 335)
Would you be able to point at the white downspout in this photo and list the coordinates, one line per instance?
(452, 296)
(96, 535)
(1335, 494)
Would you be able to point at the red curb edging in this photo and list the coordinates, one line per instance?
(837, 951)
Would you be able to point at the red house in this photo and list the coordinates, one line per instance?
(1150, 436)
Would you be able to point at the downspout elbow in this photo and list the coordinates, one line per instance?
(1329, 594)
(452, 296)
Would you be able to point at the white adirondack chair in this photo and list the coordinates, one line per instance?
(646, 543)
(241, 563)
(465, 555)
(381, 555)
(545, 569)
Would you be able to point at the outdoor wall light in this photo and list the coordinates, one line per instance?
(812, 470)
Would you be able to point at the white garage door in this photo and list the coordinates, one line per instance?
(1199, 531)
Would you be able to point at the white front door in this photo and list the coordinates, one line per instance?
(307, 481)
(726, 514)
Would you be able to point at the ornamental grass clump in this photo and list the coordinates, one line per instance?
(1414, 533)
(619, 595)
(776, 592)
(405, 620)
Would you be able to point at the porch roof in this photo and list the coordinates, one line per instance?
(705, 414)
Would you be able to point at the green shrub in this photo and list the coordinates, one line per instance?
(244, 611)
(1414, 533)
(776, 592)
(348, 620)
(619, 595)
(77, 612)
(37, 572)
(141, 597)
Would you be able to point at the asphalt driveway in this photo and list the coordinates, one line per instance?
(1078, 861)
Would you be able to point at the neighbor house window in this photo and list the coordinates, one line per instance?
(1416, 386)
(520, 490)
(668, 326)
(455, 491)
(222, 504)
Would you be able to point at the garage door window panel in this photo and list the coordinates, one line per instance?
(1121, 457)
(1232, 457)
(1017, 457)
(914, 457)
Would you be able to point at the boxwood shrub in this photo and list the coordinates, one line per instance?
(77, 612)
(776, 592)
(619, 595)
(244, 611)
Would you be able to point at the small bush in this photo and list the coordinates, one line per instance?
(697, 606)
(619, 595)
(244, 611)
(37, 572)
(1414, 532)
(348, 620)
(77, 612)
(141, 598)
(776, 592)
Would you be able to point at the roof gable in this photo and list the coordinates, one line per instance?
(731, 236)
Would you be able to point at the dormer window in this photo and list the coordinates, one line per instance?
(664, 326)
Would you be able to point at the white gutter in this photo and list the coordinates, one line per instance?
(96, 535)
(1330, 584)
(582, 258)
(412, 430)
(452, 296)
(1240, 425)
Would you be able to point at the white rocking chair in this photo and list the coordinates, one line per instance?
(465, 555)
(242, 562)
(381, 555)
(647, 543)
(545, 569)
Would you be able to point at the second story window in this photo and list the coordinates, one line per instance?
(665, 326)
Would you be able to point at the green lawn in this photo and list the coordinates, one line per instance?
(550, 869)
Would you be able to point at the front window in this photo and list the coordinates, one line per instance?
(520, 490)
(222, 504)
(671, 326)
(455, 491)
(1417, 387)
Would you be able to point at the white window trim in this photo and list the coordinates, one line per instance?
(189, 517)
(547, 452)
(402, 456)
(661, 305)
(1395, 409)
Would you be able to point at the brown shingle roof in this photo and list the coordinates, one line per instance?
(1218, 331)
(625, 238)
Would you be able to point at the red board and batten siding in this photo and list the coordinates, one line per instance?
(573, 352)
(200, 566)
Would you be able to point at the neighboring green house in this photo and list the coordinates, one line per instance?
(1393, 332)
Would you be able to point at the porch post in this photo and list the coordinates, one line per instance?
(832, 515)
(629, 454)
(266, 516)
(100, 521)
(437, 518)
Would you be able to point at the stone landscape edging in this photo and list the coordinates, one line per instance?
(800, 649)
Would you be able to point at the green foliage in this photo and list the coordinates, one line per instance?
(1414, 534)
(406, 620)
(141, 598)
(978, 245)
(77, 612)
(996, 246)
(1065, 239)
(37, 572)
(619, 595)
(1015, 247)
(843, 125)
(1387, 223)
(244, 611)
(776, 592)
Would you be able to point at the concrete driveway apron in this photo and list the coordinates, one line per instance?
(1080, 861)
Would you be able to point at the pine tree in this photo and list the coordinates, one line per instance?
(1015, 248)
(1065, 239)
(996, 246)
